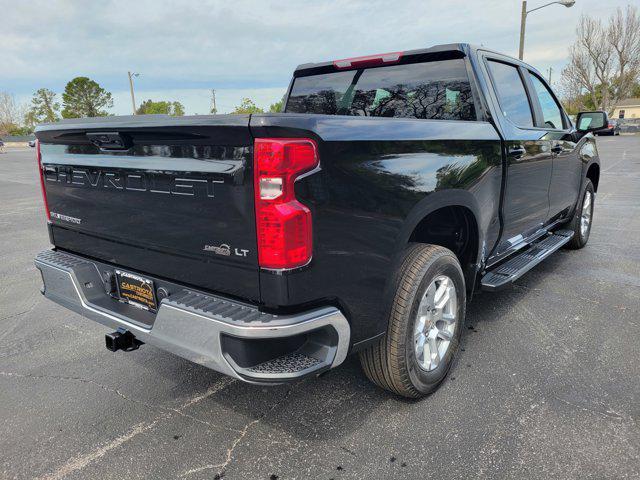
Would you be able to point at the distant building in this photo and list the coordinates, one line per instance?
(627, 108)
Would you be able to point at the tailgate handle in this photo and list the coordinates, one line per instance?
(109, 140)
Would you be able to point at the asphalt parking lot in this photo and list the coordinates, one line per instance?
(547, 384)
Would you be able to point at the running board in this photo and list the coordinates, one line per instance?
(511, 270)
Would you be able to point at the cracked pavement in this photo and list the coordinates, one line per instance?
(547, 384)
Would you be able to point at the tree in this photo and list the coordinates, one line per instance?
(20, 130)
(150, 107)
(178, 109)
(30, 121)
(247, 106)
(83, 97)
(604, 62)
(10, 113)
(578, 101)
(624, 32)
(277, 107)
(44, 108)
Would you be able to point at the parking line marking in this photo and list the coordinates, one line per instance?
(81, 461)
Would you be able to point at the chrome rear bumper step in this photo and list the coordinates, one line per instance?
(509, 271)
(228, 336)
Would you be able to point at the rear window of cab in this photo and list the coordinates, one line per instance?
(437, 90)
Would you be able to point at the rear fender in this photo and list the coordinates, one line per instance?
(429, 204)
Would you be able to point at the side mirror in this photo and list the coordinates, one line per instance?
(591, 121)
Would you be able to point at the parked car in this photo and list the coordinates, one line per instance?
(612, 128)
(362, 219)
(32, 143)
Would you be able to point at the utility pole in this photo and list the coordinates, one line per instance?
(133, 98)
(214, 109)
(550, 70)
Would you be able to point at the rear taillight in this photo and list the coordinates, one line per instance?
(283, 223)
(41, 172)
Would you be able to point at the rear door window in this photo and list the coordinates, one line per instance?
(512, 95)
(432, 90)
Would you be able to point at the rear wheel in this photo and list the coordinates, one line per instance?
(425, 324)
(582, 218)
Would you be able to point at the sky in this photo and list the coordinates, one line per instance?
(248, 48)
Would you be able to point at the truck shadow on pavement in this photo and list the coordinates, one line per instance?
(341, 401)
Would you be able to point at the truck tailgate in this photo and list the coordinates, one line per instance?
(175, 200)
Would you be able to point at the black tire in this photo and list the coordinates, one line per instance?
(579, 239)
(391, 363)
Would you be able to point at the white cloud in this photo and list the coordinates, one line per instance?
(184, 48)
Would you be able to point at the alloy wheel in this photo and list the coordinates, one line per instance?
(435, 324)
(585, 218)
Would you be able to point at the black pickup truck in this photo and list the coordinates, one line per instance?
(362, 218)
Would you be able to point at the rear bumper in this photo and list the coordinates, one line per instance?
(227, 336)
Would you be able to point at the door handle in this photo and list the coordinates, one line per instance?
(517, 151)
(556, 149)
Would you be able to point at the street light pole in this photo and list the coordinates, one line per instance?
(523, 19)
(133, 98)
(523, 24)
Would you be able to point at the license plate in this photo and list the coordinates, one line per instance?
(136, 290)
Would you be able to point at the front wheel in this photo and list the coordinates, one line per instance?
(425, 325)
(582, 218)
